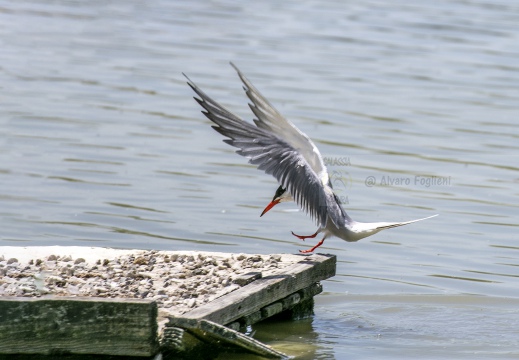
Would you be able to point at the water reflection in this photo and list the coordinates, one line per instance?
(294, 338)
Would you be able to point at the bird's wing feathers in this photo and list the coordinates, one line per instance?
(270, 119)
(276, 157)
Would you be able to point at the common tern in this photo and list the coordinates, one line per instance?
(276, 146)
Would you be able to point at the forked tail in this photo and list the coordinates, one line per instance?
(390, 225)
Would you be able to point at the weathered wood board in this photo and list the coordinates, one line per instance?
(212, 333)
(78, 325)
(264, 291)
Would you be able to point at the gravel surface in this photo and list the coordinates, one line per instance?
(177, 281)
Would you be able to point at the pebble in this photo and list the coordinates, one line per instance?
(177, 282)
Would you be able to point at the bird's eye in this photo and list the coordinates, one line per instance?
(280, 191)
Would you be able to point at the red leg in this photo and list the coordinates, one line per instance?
(303, 237)
(312, 249)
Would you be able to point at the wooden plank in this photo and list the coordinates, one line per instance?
(191, 338)
(262, 292)
(225, 335)
(78, 326)
(212, 333)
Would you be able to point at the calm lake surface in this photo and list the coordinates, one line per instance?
(413, 104)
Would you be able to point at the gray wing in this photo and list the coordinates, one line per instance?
(276, 157)
(270, 119)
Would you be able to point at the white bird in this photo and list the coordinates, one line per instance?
(280, 149)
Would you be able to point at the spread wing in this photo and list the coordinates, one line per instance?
(276, 157)
(270, 119)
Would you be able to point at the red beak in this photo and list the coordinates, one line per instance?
(270, 206)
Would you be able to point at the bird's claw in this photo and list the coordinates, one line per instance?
(302, 237)
(306, 251)
(312, 249)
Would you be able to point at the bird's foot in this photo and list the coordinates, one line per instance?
(312, 249)
(303, 237)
